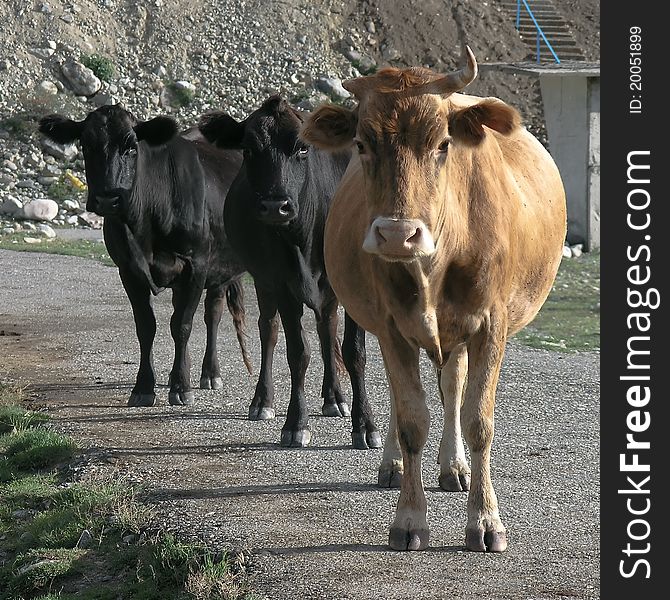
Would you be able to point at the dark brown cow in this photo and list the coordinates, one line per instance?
(445, 234)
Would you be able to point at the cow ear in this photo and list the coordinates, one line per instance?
(466, 125)
(330, 127)
(61, 129)
(221, 129)
(156, 131)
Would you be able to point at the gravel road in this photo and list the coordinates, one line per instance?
(312, 522)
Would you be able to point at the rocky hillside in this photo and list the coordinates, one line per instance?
(185, 57)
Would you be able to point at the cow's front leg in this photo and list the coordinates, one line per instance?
(334, 404)
(391, 469)
(296, 432)
(263, 403)
(364, 433)
(484, 530)
(138, 292)
(454, 469)
(210, 376)
(409, 530)
(185, 298)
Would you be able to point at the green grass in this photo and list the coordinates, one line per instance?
(102, 67)
(43, 515)
(82, 248)
(569, 321)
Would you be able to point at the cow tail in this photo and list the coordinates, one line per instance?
(339, 359)
(235, 301)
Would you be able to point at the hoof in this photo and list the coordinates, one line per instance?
(258, 413)
(479, 540)
(390, 476)
(336, 410)
(404, 539)
(211, 383)
(454, 482)
(181, 398)
(141, 399)
(364, 440)
(295, 439)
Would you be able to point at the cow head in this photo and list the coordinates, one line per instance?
(275, 159)
(109, 138)
(406, 128)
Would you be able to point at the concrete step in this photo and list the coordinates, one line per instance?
(553, 26)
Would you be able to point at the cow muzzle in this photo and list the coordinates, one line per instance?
(106, 205)
(277, 211)
(399, 239)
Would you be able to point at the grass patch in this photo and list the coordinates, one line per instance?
(570, 318)
(179, 96)
(90, 539)
(102, 67)
(13, 418)
(83, 248)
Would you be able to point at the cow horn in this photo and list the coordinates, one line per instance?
(456, 81)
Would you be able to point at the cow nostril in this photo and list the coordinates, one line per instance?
(285, 208)
(264, 209)
(416, 237)
(379, 234)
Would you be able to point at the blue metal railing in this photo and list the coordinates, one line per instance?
(540, 33)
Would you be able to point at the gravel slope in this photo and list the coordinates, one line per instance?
(311, 522)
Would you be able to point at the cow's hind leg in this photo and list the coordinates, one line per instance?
(210, 377)
(295, 432)
(409, 530)
(334, 404)
(262, 405)
(454, 469)
(185, 299)
(143, 393)
(364, 433)
(484, 530)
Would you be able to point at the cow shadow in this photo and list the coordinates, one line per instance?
(335, 548)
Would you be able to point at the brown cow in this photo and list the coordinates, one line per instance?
(445, 234)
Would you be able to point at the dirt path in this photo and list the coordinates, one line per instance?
(313, 520)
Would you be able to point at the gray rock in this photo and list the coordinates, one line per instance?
(46, 231)
(62, 151)
(40, 210)
(11, 165)
(27, 184)
(577, 250)
(85, 539)
(70, 205)
(42, 53)
(8, 230)
(332, 87)
(47, 88)
(389, 53)
(82, 80)
(567, 253)
(91, 219)
(11, 206)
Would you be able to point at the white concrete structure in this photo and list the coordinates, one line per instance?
(571, 97)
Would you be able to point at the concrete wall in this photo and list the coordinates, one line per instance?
(572, 115)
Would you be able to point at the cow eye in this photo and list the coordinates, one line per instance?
(443, 147)
(360, 146)
(302, 152)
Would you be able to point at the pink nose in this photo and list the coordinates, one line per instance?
(399, 239)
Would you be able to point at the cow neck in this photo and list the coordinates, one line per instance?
(408, 290)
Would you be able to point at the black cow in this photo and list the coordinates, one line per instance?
(162, 197)
(274, 217)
